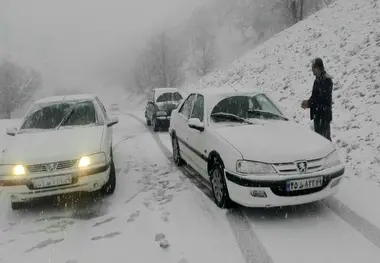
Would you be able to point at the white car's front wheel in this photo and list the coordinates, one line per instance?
(219, 186)
(110, 186)
(176, 153)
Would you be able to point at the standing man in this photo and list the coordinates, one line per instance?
(320, 101)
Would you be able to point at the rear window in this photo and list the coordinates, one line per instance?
(169, 96)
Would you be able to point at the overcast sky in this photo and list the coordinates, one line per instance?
(71, 37)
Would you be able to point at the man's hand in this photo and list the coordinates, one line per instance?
(305, 104)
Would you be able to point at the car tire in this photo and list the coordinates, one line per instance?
(155, 124)
(176, 152)
(219, 186)
(110, 186)
(17, 205)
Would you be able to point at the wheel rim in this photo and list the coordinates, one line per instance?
(217, 185)
(175, 150)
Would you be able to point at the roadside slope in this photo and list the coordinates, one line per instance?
(347, 37)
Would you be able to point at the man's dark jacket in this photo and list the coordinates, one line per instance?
(320, 101)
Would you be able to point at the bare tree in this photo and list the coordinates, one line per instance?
(296, 10)
(203, 55)
(160, 65)
(292, 10)
(17, 86)
(252, 18)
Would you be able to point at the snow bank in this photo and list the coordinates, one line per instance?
(346, 36)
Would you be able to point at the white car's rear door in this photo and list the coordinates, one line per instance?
(181, 126)
(197, 139)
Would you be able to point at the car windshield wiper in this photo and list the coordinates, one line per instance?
(231, 117)
(67, 116)
(269, 113)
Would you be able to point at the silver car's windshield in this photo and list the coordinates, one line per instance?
(61, 114)
(246, 107)
(169, 96)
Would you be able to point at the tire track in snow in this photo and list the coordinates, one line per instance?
(248, 242)
(360, 224)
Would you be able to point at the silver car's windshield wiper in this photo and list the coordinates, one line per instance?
(269, 113)
(67, 116)
(231, 117)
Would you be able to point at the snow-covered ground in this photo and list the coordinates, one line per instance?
(158, 214)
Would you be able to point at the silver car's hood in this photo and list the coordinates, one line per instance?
(53, 146)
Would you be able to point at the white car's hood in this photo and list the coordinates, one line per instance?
(276, 142)
(53, 146)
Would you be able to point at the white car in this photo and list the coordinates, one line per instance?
(250, 152)
(63, 145)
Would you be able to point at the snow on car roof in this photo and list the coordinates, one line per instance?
(225, 91)
(166, 89)
(53, 99)
(160, 91)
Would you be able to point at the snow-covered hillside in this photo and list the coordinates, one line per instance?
(346, 36)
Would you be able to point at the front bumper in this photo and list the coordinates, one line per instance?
(272, 193)
(89, 180)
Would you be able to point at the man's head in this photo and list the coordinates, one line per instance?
(317, 66)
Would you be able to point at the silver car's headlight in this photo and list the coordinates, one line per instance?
(15, 170)
(257, 168)
(332, 160)
(161, 113)
(93, 159)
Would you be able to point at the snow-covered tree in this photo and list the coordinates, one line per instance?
(296, 10)
(17, 86)
(161, 63)
(203, 55)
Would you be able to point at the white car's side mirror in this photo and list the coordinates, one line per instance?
(196, 124)
(112, 121)
(11, 131)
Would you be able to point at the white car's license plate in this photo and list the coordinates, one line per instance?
(52, 181)
(296, 185)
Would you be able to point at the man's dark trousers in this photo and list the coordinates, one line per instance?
(323, 128)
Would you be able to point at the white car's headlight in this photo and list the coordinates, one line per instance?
(250, 167)
(16, 170)
(161, 113)
(332, 160)
(93, 159)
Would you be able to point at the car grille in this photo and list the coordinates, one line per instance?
(291, 168)
(40, 168)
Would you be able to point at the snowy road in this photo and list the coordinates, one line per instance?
(320, 232)
(153, 204)
(157, 204)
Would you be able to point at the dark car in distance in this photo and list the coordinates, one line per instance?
(159, 106)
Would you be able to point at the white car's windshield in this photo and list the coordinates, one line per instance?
(61, 114)
(243, 107)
